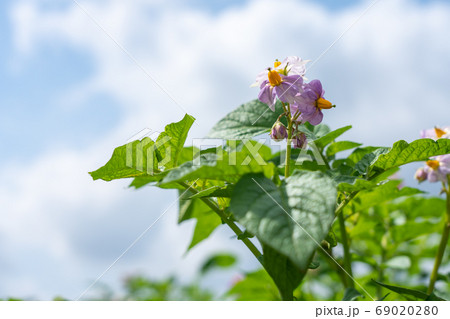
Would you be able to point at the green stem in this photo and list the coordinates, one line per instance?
(442, 246)
(332, 262)
(344, 203)
(288, 149)
(211, 204)
(381, 273)
(347, 257)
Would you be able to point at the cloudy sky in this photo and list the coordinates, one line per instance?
(77, 81)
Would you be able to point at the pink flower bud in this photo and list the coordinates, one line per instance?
(420, 175)
(278, 132)
(299, 141)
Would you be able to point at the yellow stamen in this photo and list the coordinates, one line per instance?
(276, 64)
(439, 132)
(434, 164)
(274, 78)
(324, 104)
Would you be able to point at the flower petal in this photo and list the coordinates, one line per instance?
(266, 96)
(316, 86)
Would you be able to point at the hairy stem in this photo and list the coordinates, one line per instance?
(288, 149)
(332, 262)
(381, 273)
(347, 257)
(211, 204)
(344, 203)
(442, 245)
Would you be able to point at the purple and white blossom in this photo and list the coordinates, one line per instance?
(436, 133)
(437, 169)
(311, 103)
(285, 88)
(292, 65)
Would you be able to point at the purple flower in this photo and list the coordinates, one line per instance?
(292, 65)
(284, 87)
(436, 133)
(278, 132)
(437, 169)
(310, 103)
(299, 141)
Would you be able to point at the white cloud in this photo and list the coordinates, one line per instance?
(387, 76)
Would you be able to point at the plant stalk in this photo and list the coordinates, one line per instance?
(347, 257)
(288, 149)
(227, 221)
(442, 245)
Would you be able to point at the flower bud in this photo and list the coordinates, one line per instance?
(420, 175)
(299, 141)
(279, 131)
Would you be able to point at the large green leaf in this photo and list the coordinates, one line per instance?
(170, 142)
(403, 153)
(286, 275)
(248, 120)
(137, 158)
(249, 157)
(186, 154)
(293, 218)
(146, 158)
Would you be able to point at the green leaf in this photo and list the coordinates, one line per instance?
(330, 137)
(207, 220)
(186, 154)
(419, 206)
(215, 191)
(359, 153)
(256, 286)
(351, 294)
(314, 132)
(353, 184)
(286, 275)
(250, 157)
(146, 158)
(337, 147)
(170, 142)
(409, 292)
(368, 159)
(218, 261)
(137, 158)
(403, 153)
(413, 229)
(248, 120)
(383, 193)
(292, 219)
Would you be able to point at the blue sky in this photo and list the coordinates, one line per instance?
(68, 95)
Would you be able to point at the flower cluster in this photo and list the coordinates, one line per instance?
(302, 102)
(437, 168)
